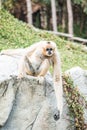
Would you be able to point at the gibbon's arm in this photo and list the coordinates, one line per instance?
(12, 52)
(20, 51)
(57, 78)
(29, 50)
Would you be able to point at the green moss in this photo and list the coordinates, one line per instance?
(14, 34)
(75, 103)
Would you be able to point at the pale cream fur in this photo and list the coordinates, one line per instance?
(36, 62)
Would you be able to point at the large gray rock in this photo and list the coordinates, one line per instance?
(79, 77)
(24, 103)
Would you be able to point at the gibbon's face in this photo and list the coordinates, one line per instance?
(48, 49)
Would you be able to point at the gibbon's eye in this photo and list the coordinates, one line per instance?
(49, 49)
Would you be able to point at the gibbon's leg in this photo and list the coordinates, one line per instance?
(29, 68)
(25, 67)
(44, 67)
(43, 70)
(21, 68)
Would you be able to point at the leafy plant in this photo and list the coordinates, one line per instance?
(75, 103)
(82, 3)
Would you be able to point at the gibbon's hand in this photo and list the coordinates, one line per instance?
(40, 79)
(56, 115)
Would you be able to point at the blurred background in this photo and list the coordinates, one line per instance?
(66, 16)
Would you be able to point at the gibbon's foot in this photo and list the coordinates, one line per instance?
(40, 79)
(20, 76)
(57, 115)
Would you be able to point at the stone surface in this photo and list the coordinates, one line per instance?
(24, 103)
(79, 77)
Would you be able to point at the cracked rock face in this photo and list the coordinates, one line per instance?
(24, 103)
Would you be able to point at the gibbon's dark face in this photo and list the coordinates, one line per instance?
(48, 49)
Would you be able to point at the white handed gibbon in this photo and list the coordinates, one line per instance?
(36, 61)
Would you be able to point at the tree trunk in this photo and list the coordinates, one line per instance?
(0, 4)
(43, 18)
(54, 18)
(70, 17)
(29, 11)
(82, 21)
(64, 16)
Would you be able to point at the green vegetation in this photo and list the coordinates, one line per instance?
(78, 32)
(14, 34)
(75, 103)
